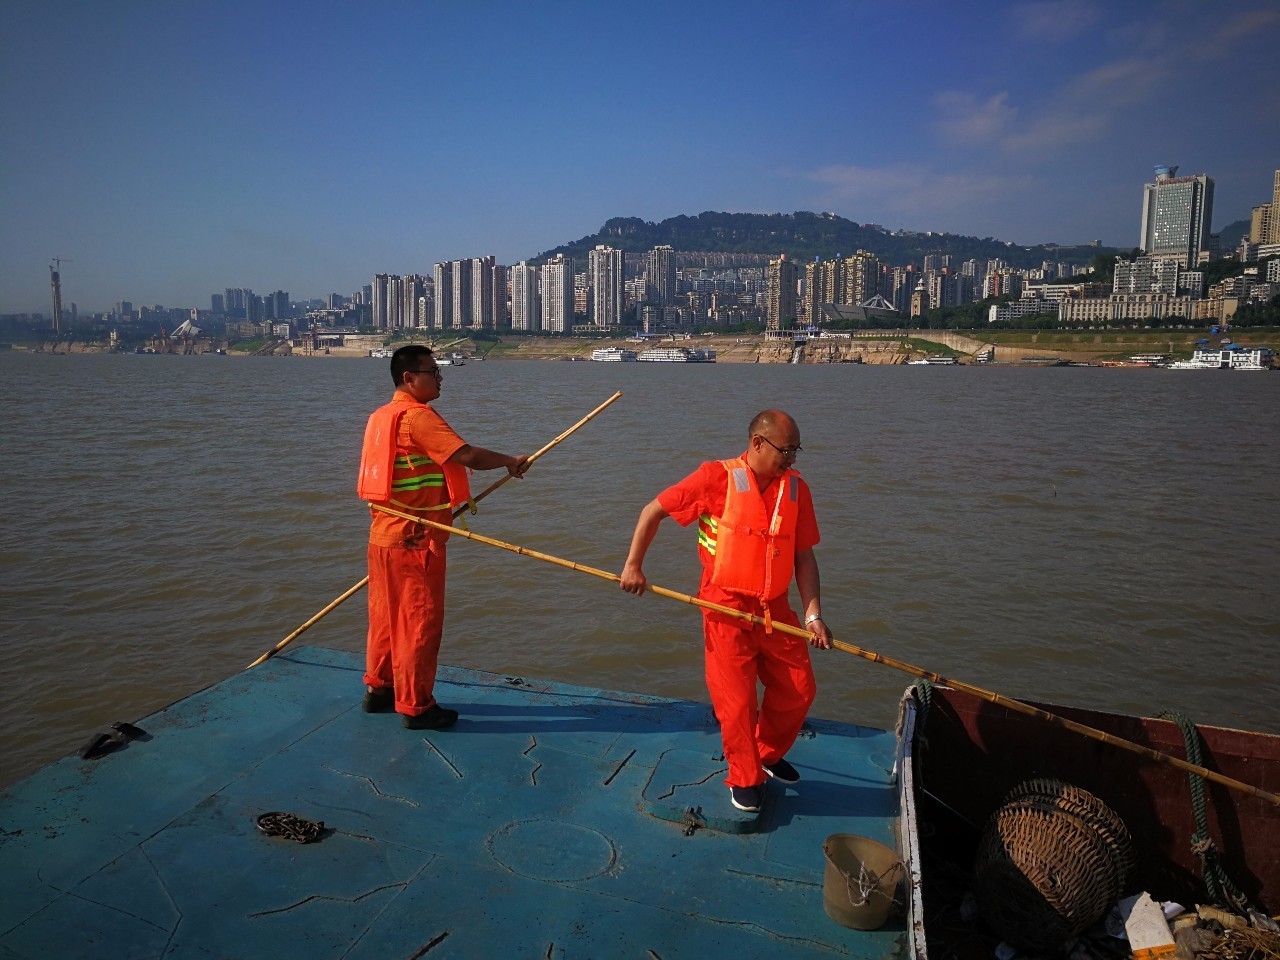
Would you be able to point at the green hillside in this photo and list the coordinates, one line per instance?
(803, 236)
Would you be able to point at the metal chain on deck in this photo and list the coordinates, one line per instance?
(1221, 890)
(277, 824)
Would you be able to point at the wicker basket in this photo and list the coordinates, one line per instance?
(1052, 860)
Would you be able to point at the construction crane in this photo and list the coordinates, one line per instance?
(55, 281)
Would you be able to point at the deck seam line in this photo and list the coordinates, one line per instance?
(440, 753)
(372, 784)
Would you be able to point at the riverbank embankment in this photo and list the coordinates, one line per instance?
(883, 347)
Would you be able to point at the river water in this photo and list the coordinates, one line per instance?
(1096, 537)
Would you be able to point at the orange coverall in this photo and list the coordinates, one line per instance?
(407, 563)
(739, 653)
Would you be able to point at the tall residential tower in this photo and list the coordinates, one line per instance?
(604, 270)
(1177, 213)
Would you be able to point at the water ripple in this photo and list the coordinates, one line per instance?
(1081, 537)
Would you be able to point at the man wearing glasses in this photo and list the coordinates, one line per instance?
(413, 462)
(756, 530)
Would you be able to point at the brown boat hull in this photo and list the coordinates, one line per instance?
(969, 753)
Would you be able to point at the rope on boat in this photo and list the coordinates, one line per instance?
(1219, 885)
(923, 690)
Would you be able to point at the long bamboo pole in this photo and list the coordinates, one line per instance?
(1010, 704)
(356, 588)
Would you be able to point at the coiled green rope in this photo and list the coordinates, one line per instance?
(1220, 887)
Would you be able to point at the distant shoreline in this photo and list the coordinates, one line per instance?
(879, 348)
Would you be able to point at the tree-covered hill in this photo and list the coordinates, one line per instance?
(803, 236)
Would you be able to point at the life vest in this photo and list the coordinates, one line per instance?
(752, 543)
(411, 482)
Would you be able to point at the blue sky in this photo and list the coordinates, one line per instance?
(170, 148)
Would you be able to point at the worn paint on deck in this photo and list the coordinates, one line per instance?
(551, 821)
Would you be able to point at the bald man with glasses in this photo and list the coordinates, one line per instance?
(413, 461)
(756, 532)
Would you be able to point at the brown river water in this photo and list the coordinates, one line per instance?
(1096, 537)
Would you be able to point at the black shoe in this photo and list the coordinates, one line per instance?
(435, 718)
(378, 700)
(781, 771)
(745, 798)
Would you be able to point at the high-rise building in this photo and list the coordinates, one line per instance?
(482, 293)
(557, 294)
(903, 286)
(388, 301)
(944, 288)
(604, 268)
(1003, 282)
(1146, 275)
(414, 291)
(444, 295)
(1264, 226)
(526, 309)
(278, 305)
(461, 293)
(780, 294)
(501, 296)
(660, 275)
(861, 278)
(842, 280)
(1177, 214)
(1275, 209)
(216, 302)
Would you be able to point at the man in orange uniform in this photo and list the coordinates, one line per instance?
(756, 529)
(413, 462)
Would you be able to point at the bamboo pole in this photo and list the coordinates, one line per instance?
(355, 588)
(991, 697)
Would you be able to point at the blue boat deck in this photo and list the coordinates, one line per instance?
(551, 821)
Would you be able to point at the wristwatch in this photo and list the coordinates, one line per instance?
(812, 617)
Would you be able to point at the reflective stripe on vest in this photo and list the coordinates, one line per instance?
(404, 479)
(707, 528)
(420, 480)
(753, 545)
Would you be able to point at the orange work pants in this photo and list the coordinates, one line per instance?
(737, 655)
(406, 620)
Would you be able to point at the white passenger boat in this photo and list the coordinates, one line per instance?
(1231, 357)
(678, 355)
(614, 354)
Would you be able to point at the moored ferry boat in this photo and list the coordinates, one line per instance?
(614, 354)
(677, 355)
(1229, 357)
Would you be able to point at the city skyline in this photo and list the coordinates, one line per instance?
(166, 152)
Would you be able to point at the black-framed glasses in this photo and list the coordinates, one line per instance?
(434, 371)
(785, 451)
